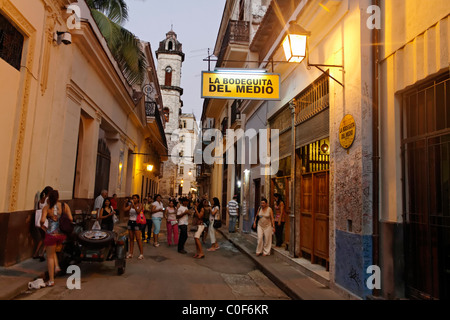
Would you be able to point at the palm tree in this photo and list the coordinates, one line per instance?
(110, 15)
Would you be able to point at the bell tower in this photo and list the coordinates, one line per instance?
(170, 58)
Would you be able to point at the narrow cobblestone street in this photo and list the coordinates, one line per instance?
(165, 274)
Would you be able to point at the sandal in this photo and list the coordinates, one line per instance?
(50, 284)
(141, 257)
(129, 256)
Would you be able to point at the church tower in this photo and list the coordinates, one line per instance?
(170, 58)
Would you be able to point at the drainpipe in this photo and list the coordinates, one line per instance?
(293, 175)
(375, 146)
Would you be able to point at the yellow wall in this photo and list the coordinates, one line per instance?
(43, 103)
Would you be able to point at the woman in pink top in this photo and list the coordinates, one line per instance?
(172, 223)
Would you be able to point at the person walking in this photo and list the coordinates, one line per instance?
(212, 231)
(172, 224)
(53, 234)
(148, 217)
(40, 247)
(134, 207)
(105, 215)
(157, 215)
(233, 212)
(183, 221)
(266, 227)
(280, 219)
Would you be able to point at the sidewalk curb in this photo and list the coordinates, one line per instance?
(14, 280)
(295, 283)
(281, 284)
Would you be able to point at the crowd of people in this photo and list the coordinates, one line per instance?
(145, 219)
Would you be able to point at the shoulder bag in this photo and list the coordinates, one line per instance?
(65, 225)
(141, 218)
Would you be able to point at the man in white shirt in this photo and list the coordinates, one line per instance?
(98, 204)
(183, 220)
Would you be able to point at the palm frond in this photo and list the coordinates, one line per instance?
(115, 10)
(125, 47)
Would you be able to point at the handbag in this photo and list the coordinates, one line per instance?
(37, 219)
(65, 225)
(217, 224)
(257, 220)
(141, 218)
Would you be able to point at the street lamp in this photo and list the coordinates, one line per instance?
(295, 42)
(295, 46)
(149, 167)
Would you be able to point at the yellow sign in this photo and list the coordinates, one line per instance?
(347, 131)
(240, 85)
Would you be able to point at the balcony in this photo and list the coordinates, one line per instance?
(237, 34)
(153, 115)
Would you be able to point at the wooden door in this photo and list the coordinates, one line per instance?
(306, 214)
(321, 217)
(314, 216)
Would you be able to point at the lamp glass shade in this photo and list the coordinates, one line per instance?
(149, 167)
(294, 46)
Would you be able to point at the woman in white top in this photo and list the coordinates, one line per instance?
(157, 215)
(212, 232)
(134, 230)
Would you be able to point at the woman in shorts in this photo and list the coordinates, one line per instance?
(134, 229)
(205, 211)
(157, 215)
(53, 235)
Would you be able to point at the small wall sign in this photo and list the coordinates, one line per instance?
(347, 131)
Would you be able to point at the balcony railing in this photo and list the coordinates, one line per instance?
(312, 100)
(238, 32)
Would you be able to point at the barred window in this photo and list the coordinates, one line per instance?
(11, 43)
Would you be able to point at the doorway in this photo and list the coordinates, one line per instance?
(314, 202)
(102, 168)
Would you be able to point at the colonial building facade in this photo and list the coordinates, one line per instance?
(73, 120)
(378, 70)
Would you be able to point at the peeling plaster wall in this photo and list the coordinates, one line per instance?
(351, 169)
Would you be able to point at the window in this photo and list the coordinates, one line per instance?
(11, 43)
(181, 170)
(241, 10)
(168, 79)
(170, 46)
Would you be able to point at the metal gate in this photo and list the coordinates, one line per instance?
(426, 180)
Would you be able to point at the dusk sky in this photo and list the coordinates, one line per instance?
(196, 23)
